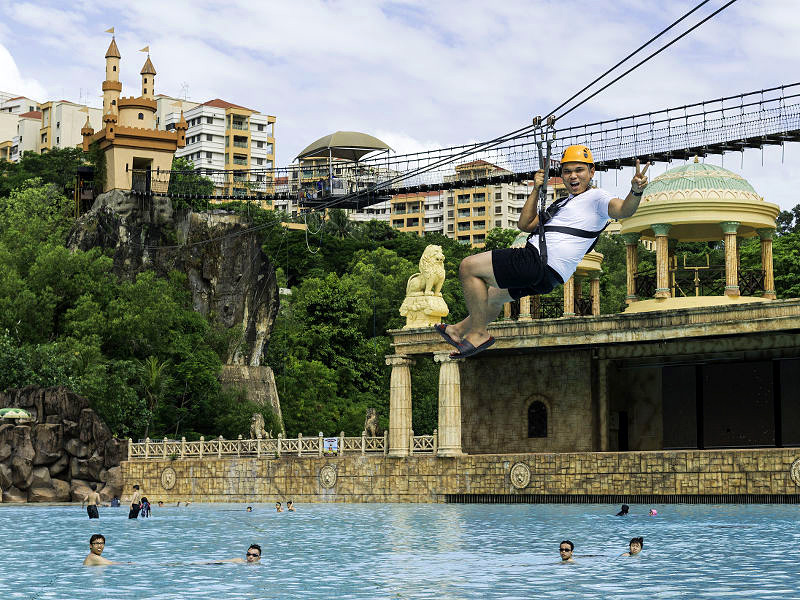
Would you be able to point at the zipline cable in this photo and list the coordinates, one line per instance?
(529, 128)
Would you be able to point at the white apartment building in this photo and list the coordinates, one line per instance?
(16, 105)
(225, 137)
(62, 122)
(27, 138)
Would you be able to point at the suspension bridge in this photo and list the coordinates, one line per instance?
(768, 117)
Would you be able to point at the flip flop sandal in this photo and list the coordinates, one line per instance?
(441, 328)
(466, 349)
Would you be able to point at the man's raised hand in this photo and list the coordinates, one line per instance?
(639, 181)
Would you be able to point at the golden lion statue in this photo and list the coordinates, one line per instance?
(430, 278)
(424, 305)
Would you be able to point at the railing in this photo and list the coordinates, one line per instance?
(275, 447)
(705, 281)
(239, 126)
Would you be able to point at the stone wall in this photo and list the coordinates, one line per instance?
(497, 391)
(428, 479)
(58, 455)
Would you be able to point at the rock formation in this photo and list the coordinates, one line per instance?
(57, 454)
(229, 275)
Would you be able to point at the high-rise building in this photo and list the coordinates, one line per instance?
(62, 122)
(225, 137)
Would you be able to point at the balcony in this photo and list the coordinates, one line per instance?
(240, 125)
(238, 160)
(238, 144)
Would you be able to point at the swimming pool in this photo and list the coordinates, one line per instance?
(405, 551)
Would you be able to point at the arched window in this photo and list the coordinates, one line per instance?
(145, 79)
(141, 116)
(114, 102)
(537, 420)
(114, 68)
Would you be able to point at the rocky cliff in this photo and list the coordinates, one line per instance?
(58, 454)
(230, 277)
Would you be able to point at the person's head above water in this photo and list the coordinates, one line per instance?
(253, 553)
(623, 510)
(653, 512)
(636, 545)
(565, 549)
(249, 509)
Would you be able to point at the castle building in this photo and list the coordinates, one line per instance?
(132, 145)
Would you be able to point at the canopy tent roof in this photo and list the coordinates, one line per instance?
(348, 145)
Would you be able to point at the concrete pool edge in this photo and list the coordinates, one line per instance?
(688, 473)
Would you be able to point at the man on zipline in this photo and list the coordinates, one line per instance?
(490, 279)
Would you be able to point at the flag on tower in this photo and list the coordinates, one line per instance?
(110, 30)
(145, 49)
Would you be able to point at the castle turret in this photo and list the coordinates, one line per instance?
(87, 132)
(148, 73)
(181, 127)
(112, 87)
(110, 120)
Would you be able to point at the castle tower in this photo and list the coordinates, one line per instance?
(148, 73)
(87, 132)
(181, 127)
(112, 87)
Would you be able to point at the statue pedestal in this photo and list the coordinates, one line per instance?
(423, 311)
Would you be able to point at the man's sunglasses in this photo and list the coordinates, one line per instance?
(253, 554)
(565, 550)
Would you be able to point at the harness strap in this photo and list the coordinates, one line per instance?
(573, 231)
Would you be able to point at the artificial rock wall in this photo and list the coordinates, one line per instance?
(57, 456)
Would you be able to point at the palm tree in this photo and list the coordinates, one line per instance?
(154, 379)
(338, 223)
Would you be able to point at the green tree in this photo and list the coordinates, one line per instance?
(338, 224)
(154, 378)
(186, 180)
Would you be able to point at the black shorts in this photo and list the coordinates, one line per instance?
(520, 272)
(134, 511)
(92, 512)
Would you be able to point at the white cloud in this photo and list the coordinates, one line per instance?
(12, 81)
(413, 72)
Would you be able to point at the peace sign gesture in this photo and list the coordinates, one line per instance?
(639, 181)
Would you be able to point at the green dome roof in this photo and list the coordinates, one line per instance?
(698, 176)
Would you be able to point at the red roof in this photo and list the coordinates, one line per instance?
(216, 102)
(15, 98)
(34, 114)
(280, 180)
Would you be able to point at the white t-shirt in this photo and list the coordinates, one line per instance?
(587, 211)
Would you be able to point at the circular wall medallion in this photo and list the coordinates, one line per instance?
(327, 476)
(520, 476)
(168, 478)
(794, 471)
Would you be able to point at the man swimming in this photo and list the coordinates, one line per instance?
(290, 506)
(97, 544)
(565, 549)
(253, 555)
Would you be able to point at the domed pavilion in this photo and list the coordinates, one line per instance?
(698, 203)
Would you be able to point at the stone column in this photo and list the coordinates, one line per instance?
(662, 259)
(631, 264)
(569, 297)
(506, 311)
(399, 404)
(449, 405)
(525, 308)
(731, 264)
(595, 294)
(766, 262)
(673, 266)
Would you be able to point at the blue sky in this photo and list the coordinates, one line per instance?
(418, 74)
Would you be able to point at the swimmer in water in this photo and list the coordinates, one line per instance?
(278, 507)
(290, 506)
(623, 511)
(92, 501)
(253, 555)
(565, 549)
(97, 544)
(635, 546)
(653, 512)
(249, 509)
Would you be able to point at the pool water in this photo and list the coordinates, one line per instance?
(402, 551)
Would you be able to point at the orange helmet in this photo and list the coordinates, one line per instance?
(577, 153)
